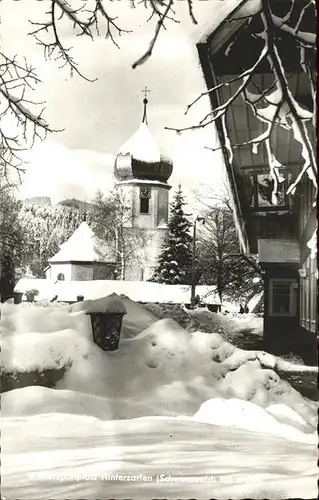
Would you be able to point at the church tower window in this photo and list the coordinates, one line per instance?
(145, 195)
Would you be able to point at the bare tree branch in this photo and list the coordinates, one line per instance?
(301, 134)
(85, 21)
(21, 122)
(282, 108)
(159, 26)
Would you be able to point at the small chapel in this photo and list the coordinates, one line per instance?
(141, 172)
(83, 257)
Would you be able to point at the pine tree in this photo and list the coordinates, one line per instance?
(175, 259)
(12, 241)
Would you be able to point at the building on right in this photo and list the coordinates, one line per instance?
(258, 61)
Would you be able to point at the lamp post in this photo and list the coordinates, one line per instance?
(197, 219)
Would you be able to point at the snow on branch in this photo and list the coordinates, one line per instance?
(21, 121)
(295, 112)
(221, 110)
(85, 20)
(160, 25)
(307, 39)
(282, 108)
(244, 75)
(92, 18)
(278, 364)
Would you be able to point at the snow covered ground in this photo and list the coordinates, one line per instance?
(231, 325)
(70, 456)
(171, 413)
(142, 291)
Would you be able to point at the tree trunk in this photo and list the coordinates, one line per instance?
(122, 266)
(220, 285)
(6, 278)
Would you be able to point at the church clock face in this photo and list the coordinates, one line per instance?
(145, 192)
(145, 195)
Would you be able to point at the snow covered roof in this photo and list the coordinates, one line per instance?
(235, 8)
(140, 156)
(84, 246)
(142, 145)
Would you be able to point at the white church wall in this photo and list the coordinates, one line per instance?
(62, 268)
(158, 207)
(143, 263)
(144, 221)
(162, 205)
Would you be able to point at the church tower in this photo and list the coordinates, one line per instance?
(142, 172)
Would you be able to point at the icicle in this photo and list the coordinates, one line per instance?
(274, 199)
(312, 244)
(273, 165)
(255, 147)
(227, 140)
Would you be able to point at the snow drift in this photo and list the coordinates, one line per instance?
(163, 371)
(189, 411)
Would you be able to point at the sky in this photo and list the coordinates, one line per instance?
(97, 117)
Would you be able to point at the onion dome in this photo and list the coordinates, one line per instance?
(140, 156)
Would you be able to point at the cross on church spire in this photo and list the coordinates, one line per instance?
(145, 102)
(146, 91)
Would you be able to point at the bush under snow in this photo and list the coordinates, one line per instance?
(164, 370)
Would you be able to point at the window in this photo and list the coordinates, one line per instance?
(145, 195)
(144, 205)
(308, 296)
(263, 186)
(283, 297)
(60, 277)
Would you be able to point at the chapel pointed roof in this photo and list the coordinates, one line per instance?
(84, 246)
(140, 156)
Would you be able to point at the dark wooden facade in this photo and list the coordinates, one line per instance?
(290, 285)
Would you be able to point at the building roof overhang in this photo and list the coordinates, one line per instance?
(212, 49)
(230, 16)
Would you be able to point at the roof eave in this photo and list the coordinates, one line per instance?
(208, 73)
(223, 29)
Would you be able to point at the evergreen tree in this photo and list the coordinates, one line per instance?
(12, 241)
(175, 259)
